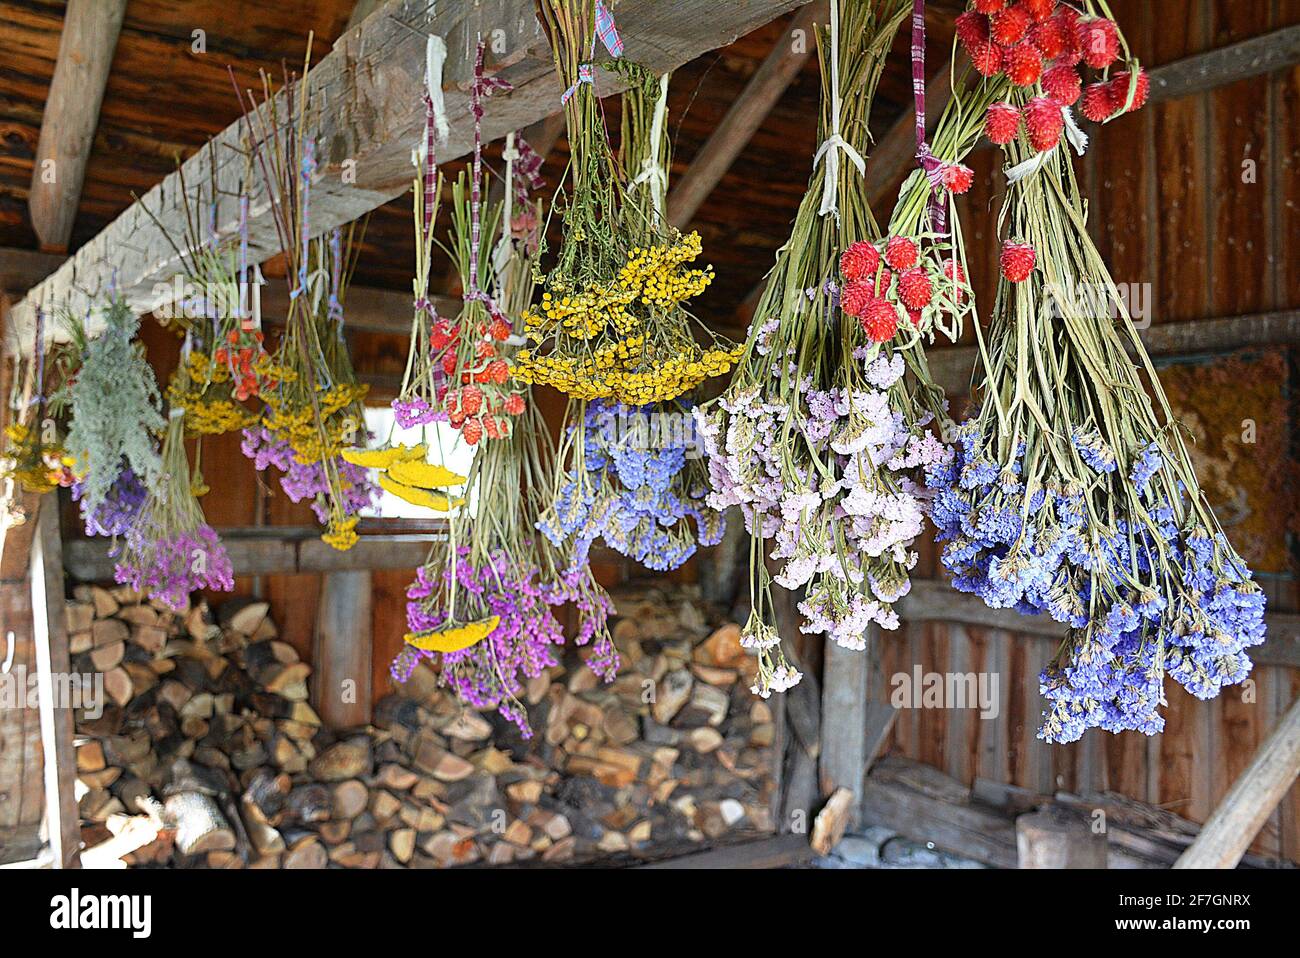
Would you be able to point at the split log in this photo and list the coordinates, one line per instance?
(200, 826)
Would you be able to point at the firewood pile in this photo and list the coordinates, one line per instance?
(210, 754)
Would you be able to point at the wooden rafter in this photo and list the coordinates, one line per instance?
(369, 117)
(90, 30)
(745, 116)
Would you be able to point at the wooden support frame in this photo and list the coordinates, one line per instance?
(375, 72)
(1232, 826)
(747, 113)
(342, 653)
(90, 31)
(62, 819)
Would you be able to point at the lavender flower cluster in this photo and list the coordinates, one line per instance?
(119, 507)
(168, 567)
(308, 481)
(843, 520)
(409, 413)
(1144, 592)
(491, 673)
(636, 489)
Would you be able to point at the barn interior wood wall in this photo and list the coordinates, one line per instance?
(1169, 207)
(1197, 197)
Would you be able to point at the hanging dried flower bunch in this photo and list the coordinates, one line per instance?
(613, 321)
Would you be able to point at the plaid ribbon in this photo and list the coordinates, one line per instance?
(607, 30)
(38, 351)
(527, 169)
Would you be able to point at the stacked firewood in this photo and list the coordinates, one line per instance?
(209, 753)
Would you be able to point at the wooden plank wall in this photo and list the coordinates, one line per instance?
(1168, 206)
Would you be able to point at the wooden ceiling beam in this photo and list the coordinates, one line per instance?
(747, 113)
(368, 118)
(365, 309)
(90, 30)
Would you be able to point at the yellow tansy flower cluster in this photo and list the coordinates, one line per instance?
(294, 421)
(629, 339)
(204, 391)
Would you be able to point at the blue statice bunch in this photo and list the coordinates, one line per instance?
(116, 512)
(1118, 552)
(635, 482)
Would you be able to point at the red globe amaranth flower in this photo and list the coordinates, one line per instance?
(1043, 122)
(855, 296)
(915, 316)
(986, 57)
(498, 372)
(1098, 102)
(914, 289)
(1017, 261)
(958, 178)
(1063, 84)
(1049, 38)
(1009, 26)
(1022, 64)
(1001, 123)
(900, 253)
(972, 28)
(1038, 10)
(492, 428)
(859, 261)
(880, 321)
(472, 431)
(1098, 42)
(442, 335)
(989, 6)
(1119, 89)
(471, 400)
(499, 330)
(449, 363)
(514, 404)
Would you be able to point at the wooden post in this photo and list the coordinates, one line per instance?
(1234, 824)
(1056, 838)
(844, 720)
(90, 30)
(341, 691)
(53, 671)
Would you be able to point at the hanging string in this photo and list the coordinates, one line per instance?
(38, 360)
(652, 170)
(308, 169)
(435, 127)
(834, 144)
(336, 279)
(484, 86)
(501, 254)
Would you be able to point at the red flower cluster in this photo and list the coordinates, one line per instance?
(1043, 43)
(480, 401)
(1017, 261)
(878, 286)
(240, 356)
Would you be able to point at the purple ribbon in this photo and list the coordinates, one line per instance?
(931, 165)
(484, 86)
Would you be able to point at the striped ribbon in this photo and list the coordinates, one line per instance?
(607, 31)
(336, 278)
(933, 167)
(484, 86)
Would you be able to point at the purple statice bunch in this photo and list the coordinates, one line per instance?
(828, 482)
(119, 508)
(409, 413)
(168, 567)
(491, 673)
(639, 488)
(577, 585)
(309, 482)
(1117, 554)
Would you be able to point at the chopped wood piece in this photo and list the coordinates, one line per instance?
(828, 827)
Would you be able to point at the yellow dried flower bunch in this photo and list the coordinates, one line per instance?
(629, 339)
(206, 392)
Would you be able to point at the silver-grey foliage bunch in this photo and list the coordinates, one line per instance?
(114, 408)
